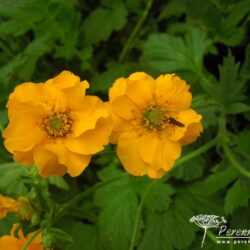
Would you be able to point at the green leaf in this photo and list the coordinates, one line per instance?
(18, 23)
(84, 237)
(173, 8)
(200, 201)
(237, 196)
(243, 144)
(10, 179)
(159, 197)
(169, 230)
(118, 203)
(190, 170)
(58, 182)
(103, 81)
(231, 87)
(237, 108)
(99, 25)
(219, 180)
(165, 53)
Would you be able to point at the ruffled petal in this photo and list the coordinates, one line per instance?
(123, 107)
(193, 131)
(140, 89)
(170, 151)
(120, 126)
(99, 136)
(75, 163)
(22, 134)
(118, 88)
(186, 118)
(47, 163)
(128, 154)
(155, 173)
(174, 91)
(149, 146)
(85, 120)
(66, 79)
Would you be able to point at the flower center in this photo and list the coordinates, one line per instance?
(154, 117)
(58, 124)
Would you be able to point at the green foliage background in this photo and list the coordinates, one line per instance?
(207, 43)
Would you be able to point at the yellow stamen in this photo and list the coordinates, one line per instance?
(58, 124)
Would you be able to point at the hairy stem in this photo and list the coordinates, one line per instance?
(235, 163)
(29, 241)
(137, 27)
(185, 158)
(138, 214)
(197, 152)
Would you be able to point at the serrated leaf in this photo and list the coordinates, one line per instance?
(230, 89)
(169, 230)
(237, 196)
(219, 180)
(99, 25)
(118, 203)
(165, 53)
(159, 197)
(190, 170)
(84, 237)
(200, 201)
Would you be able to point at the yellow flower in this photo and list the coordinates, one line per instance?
(21, 207)
(13, 243)
(7, 205)
(152, 120)
(55, 126)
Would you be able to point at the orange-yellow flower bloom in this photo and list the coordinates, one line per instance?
(55, 126)
(152, 120)
(7, 205)
(13, 243)
(21, 207)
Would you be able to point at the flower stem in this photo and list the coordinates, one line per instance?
(151, 185)
(197, 152)
(138, 214)
(236, 164)
(127, 46)
(82, 196)
(34, 235)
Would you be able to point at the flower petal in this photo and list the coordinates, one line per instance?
(99, 136)
(47, 163)
(85, 120)
(118, 88)
(75, 163)
(186, 118)
(66, 79)
(140, 89)
(123, 107)
(173, 90)
(22, 134)
(128, 154)
(193, 131)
